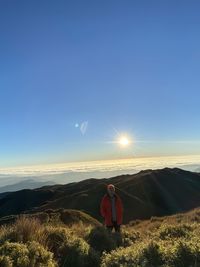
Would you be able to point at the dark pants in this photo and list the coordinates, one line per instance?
(115, 226)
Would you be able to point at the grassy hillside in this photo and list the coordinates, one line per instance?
(171, 241)
(60, 216)
(146, 194)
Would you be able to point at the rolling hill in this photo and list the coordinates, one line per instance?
(145, 194)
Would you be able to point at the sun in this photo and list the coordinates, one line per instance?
(123, 141)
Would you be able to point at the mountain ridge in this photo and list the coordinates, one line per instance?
(24, 184)
(148, 193)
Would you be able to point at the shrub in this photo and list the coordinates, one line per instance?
(80, 229)
(174, 231)
(55, 238)
(75, 252)
(101, 240)
(17, 253)
(25, 255)
(70, 250)
(129, 237)
(141, 254)
(39, 256)
(120, 257)
(151, 255)
(24, 230)
(93, 258)
(5, 261)
(183, 254)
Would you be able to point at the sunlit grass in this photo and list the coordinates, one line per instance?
(172, 241)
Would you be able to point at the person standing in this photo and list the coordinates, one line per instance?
(112, 209)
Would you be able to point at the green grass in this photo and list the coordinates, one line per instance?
(55, 241)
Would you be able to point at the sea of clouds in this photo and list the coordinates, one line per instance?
(73, 172)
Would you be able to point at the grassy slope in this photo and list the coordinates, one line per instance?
(60, 216)
(170, 241)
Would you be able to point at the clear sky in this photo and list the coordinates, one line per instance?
(76, 74)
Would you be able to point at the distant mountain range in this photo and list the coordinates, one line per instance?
(145, 194)
(25, 184)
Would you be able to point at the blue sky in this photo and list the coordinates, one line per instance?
(111, 66)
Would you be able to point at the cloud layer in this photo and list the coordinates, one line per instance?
(71, 172)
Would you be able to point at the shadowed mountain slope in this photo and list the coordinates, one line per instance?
(145, 194)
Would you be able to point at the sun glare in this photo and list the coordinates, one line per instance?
(124, 141)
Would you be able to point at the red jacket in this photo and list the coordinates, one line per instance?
(106, 209)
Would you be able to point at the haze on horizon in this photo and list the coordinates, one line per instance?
(75, 77)
(76, 171)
